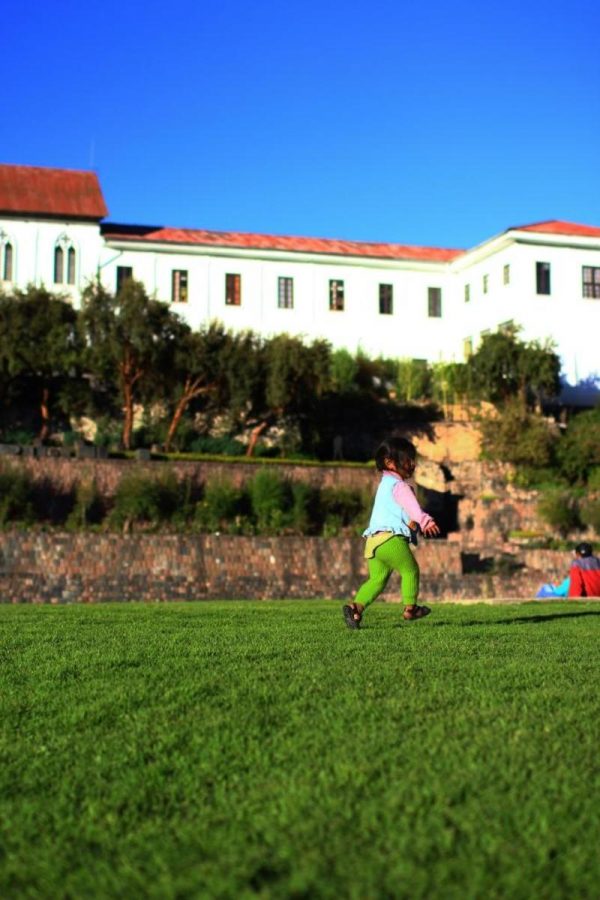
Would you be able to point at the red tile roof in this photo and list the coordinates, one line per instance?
(245, 241)
(554, 226)
(37, 191)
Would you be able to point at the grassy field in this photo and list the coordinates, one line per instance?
(239, 750)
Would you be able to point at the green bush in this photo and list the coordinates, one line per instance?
(594, 479)
(227, 446)
(18, 436)
(590, 513)
(222, 508)
(343, 508)
(88, 508)
(517, 436)
(560, 509)
(270, 499)
(304, 509)
(578, 452)
(16, 497)
(143, 499)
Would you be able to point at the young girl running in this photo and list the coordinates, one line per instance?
(394, 520)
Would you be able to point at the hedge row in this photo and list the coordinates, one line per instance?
(267, 504)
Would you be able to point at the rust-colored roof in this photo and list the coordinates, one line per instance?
(38, 191)
(554, 226)
(242, 240)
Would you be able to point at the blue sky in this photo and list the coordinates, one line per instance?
(439, 124)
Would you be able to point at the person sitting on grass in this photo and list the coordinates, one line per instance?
(395, 519)
(583, 579)
(584, 575)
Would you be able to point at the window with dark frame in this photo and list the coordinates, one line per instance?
(233, 290)
(59, 265)
(591, 282)
(285, 292)
(336, 294)
(124, 274)
(486, 279)
(467, 293)
(542, 277)
(386, 299)
(71, 265)
(506, 274)
(179, 286)
(7, 262)
(434, 303)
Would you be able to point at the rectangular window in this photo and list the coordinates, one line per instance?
(591, 282)
(434, 303)
(506, 274)
(124, 273)
(467, 292)
(485, 283)
(233, 290)
(179, 286)
(542, 277)
(468, 348)
(336, 294)
(285, 293)
(386, 299)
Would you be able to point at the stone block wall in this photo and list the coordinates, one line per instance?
(58, 568)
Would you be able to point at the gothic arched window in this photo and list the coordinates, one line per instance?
(65, 260)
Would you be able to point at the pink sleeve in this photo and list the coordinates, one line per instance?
(403, 494)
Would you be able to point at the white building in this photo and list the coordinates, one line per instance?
(389, 299)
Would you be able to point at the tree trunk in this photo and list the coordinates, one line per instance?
(45, 412)
(179, 411)
(128, 411)
(191, 389)
(254, 436)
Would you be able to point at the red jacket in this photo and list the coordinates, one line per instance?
(585, 577)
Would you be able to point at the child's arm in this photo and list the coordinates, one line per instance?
(404, 496)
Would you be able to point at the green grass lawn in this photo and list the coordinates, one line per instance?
(238, 750)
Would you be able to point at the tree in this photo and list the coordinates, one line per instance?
(515, 435)
(505, 367)
(40, 350)
(199, 362)
(275, 379)
(130, 341)
(579, 448)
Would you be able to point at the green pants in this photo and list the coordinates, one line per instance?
(393, 556)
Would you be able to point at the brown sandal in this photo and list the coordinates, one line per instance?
(352, 615)
(415, 612)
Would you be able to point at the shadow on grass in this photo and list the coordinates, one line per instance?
(521, 620)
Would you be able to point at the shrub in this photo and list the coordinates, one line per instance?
(16, 497)
(142, 499)
(590, 513)
(227, 446)
(517, 436)
(269, 497)
(303, 510)
(560, 510)
(343, 508)
(578, 452)
(594, 479)
(88, 508)
(221, 508)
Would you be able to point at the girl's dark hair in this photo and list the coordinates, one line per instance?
(398, 449)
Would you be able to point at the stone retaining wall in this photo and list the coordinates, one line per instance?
(61, 568)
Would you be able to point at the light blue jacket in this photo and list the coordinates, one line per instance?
(387, 514)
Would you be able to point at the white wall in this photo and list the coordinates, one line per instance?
(564, 316)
